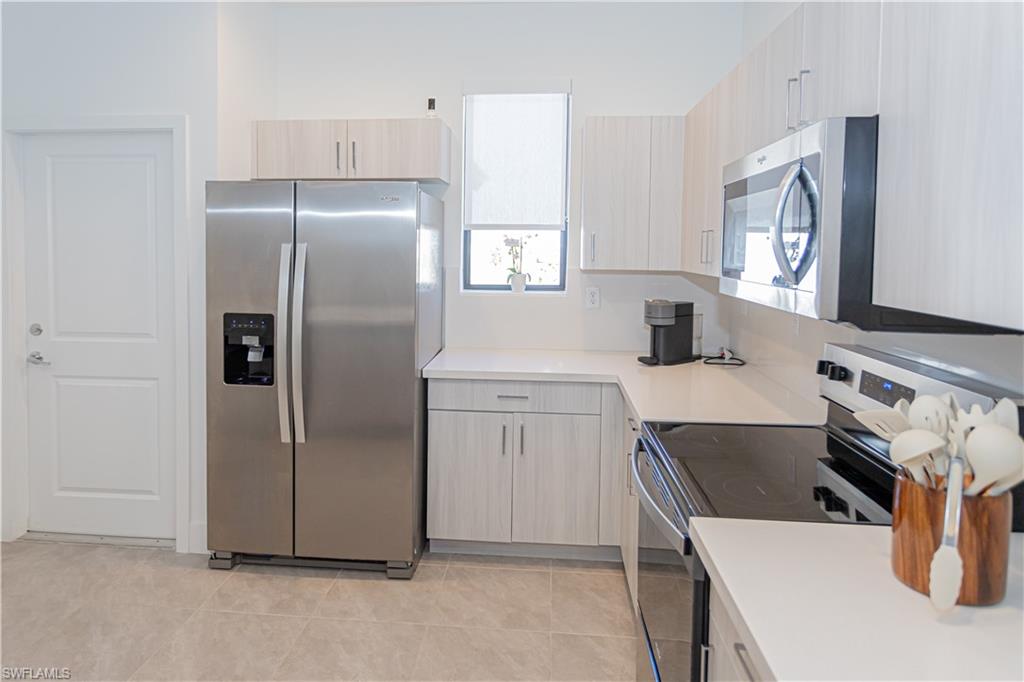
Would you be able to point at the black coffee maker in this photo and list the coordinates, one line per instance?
(671, 332)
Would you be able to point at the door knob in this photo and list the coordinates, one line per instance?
(36, 358)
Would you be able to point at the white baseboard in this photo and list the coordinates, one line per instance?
(197, 538)
(522, 549)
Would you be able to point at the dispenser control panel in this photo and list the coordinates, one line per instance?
(248, 349)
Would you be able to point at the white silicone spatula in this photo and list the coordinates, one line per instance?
(947, 570)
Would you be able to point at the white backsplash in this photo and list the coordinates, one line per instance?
(786, 347)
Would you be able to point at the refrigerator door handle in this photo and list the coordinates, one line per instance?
(297, 323)
(281, 342)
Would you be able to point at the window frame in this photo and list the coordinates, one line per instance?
(468, 229)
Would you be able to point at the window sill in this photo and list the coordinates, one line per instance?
(507, 292)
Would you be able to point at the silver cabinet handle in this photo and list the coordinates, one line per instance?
(705, 654)
(298, 297)
(504, 431)
(281, 342)
(632, 423)
(593, 246)
(629, 475)
(702, 233)
(504, 396)
(789, 96)
(36, 358)
(353, 157)
(337, 155)
(741, 655)
(522, 438)
(710, 247)
(800, 120)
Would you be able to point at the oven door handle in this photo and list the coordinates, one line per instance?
(798, 172)
(668, 529)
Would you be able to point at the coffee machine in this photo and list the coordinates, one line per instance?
(672, 336)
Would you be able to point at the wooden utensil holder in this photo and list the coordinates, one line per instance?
(983, 543)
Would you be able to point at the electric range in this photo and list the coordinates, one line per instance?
(835, 472)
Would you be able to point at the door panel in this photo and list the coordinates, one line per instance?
(354, 472)
(666, 219)
(100, 284)
(300, 149)
(556, 478)
(410, 149)
(469, 476)
(248, 467)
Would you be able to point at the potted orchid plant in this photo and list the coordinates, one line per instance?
(517, 279)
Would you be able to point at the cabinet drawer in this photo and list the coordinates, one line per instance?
(732, 657)
(514, 396)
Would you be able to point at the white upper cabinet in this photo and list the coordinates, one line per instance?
(840, 60)
(696, 163)
(666, 216)
(399, 148)
(386, 149)
(776, 93)
(283, 150)
(616, 193)
(948, 223)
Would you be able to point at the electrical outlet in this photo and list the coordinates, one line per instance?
(593, 298)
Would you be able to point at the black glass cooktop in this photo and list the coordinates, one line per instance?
(759, 472)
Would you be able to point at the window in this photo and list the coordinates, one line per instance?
(515, 174)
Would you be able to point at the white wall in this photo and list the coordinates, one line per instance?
(309, 61)
(68, 60)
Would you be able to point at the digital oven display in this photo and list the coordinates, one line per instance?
(885, 391)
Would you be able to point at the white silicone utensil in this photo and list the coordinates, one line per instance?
(994, 453)
(930, 412)
(910, 448)
(885, 423)
(1005, 413)
(947, 570)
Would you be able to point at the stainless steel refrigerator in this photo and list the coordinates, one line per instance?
(323, 304)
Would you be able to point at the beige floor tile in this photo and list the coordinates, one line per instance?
(371, 596)
(353, 650)
(509, 562)
(21, 549)
(583, 566)
(590, 604)
(72, 571)
(102, 641)
(450, 653)
(587, 658)
(279, 590)
(215, 645)
(167, 578)
(25, 620)
(434, 559)
(495, 598)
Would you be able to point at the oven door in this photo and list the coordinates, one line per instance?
(775, 226)
(664, 585)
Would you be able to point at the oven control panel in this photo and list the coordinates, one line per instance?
(885, 391)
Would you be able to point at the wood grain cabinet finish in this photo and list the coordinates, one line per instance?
(949, 232)
(616, 193)
(629, 538)
(377, 149)
(732, 656)
(665, 231)
(299, 149)
(556, 479)
(613, 481)
(469, 475)
(696, 163)
(399, 148)
(514, 396)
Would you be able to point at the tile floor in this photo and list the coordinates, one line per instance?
(119, 613)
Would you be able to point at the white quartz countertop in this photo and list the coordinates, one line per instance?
(820, 602)
(693, 392)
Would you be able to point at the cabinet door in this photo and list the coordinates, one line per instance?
(948, 227)
(695, 179)
(399, 149)
(299, 150)
(556, 478)
(840, 60)
(612, 482)
(616, 193)
(666, 219)
(782, 58)
(630, 517)
(714, 197)
(469, 476)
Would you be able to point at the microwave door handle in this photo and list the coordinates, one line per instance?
(281, 342)
(298, 298)
(778, 245)
(807, 258)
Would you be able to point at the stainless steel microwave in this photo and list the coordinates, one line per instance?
(799, 228)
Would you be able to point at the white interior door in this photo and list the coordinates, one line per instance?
(100, 305)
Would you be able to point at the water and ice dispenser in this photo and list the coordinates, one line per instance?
(248, 349)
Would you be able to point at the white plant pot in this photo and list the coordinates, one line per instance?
(518, 282)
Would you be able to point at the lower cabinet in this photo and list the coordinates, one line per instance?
(629, 537)
(469, 475)
(729, 657)
(513, 477)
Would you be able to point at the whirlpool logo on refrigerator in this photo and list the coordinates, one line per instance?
(389, 197)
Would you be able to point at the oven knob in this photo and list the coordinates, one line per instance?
(838, 373)
(824, 366)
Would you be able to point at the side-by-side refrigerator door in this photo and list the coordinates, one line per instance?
(249, 253)
(354, 369)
